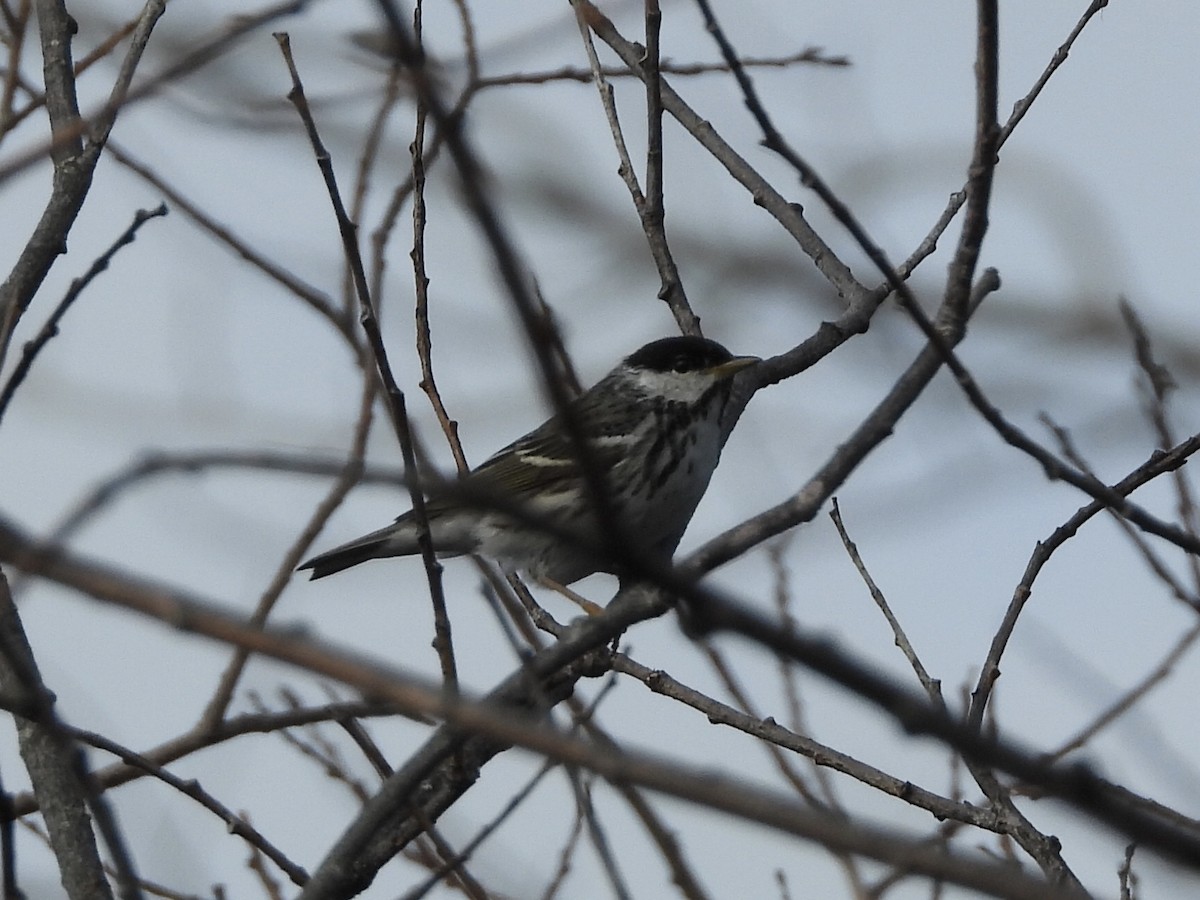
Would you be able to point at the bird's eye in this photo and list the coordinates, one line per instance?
(681, 364)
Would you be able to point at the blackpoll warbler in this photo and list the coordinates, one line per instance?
(652, 428)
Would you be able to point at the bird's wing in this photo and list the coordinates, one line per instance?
(547, 456)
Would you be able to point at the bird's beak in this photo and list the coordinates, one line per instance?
(733, 366)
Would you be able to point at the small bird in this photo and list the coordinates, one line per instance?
(652, 430)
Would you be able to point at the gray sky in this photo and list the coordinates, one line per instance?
(182, 346)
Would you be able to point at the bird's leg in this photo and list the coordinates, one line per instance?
(592, 609)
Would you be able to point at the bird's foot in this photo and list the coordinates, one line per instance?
(592, 609)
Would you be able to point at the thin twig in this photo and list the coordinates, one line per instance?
(316, 747)
(17, 24)
(814, 55)
(1159, 384)
(392, 394)
(789, 215)
(1158, 464)
(1130, 698)
(1156, 564)
(649, 205)
(787, 677)
(187, 744)
(49, 330)
(719, 713)
(933, 686)
(421, 314)
(958, 198)
(565, 854)
(159, 463)
(1126, 876)
(1023, 105)
(581, 786)
(218, 706)
(104, 48)
(191, 788)
(8, 848)
(443, 640)
(315, 298)
(203, 52)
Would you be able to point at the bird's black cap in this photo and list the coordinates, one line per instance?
(679, 354)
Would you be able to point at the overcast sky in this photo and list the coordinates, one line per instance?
(182, 346)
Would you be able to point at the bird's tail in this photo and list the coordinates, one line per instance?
(397, 539)
(370, 546)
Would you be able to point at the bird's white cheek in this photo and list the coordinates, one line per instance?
(672, 386)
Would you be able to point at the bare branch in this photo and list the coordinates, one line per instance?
(49, 330)
(190, 788)
(370, 323)
(54, 764)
